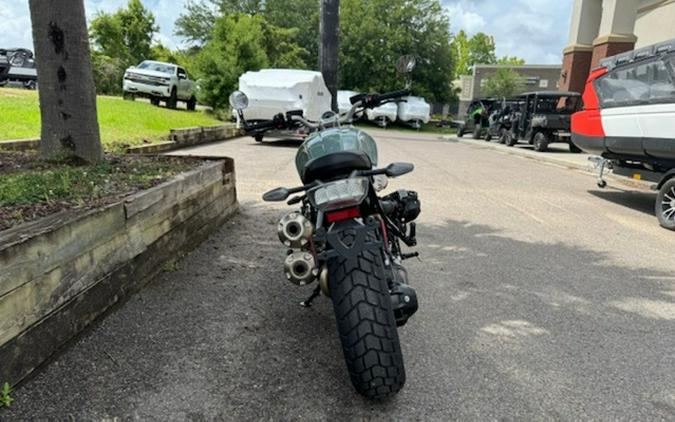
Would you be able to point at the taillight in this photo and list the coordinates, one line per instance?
(342, 215)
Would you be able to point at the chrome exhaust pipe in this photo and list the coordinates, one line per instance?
(295, 230)
(300, 268)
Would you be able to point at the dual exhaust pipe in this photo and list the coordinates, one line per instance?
(295, 231)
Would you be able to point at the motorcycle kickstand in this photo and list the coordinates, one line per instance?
(308, 302)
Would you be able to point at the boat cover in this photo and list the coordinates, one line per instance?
(389, 110)
(414, 109)
(273, 91)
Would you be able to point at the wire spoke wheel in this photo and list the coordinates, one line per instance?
(665, 205)
(668, 205)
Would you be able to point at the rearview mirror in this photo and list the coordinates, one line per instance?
(406, 64)
(399, 169)
(238, 100)
(276, 195)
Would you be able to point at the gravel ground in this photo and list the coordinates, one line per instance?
(541, 299)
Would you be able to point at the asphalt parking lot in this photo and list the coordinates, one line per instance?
(542, 298)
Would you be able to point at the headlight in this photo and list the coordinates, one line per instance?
(341, 194)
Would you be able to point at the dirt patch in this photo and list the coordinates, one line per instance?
(31, 188)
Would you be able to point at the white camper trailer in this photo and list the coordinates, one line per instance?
(383, 115)
(414, 111)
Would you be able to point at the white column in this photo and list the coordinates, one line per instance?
(586, 16)
(618, 21)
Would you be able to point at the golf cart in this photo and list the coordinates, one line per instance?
(500, 120)
(544, 118)
(476, 117)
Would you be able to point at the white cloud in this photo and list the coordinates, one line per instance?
(535, 30)
(15, 18)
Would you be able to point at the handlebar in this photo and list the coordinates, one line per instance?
(292, 117)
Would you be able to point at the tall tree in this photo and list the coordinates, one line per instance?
(199, 17)
(505, 83)
(511, 60)
(67, 92)
(479, 49)
(237, 44)
(303, 15)
(374, 33)
(482, 49)
(125, 34)
(460, 49)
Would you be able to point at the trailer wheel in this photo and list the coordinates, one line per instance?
(540, 142)
(259, 137)
(665, 205)
(460, 131)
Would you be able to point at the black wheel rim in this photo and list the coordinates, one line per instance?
(668, 205)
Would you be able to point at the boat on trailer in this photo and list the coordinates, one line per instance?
(629, 121)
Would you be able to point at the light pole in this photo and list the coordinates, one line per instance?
(329, 46)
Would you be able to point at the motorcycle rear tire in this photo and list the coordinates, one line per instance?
(366, 324)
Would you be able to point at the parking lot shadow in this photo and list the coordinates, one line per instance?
(636, 200)
(507, 329)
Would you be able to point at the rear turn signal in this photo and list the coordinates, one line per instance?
(342, 215)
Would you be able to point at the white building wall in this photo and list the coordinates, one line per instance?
(655, 22)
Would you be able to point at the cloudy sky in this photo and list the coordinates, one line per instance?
(535, 30)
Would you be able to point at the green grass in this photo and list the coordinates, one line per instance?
(31, 187)
(122, 122)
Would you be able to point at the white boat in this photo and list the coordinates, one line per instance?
(273, 91)
(383, 115)
(414, 111)
(344, 105)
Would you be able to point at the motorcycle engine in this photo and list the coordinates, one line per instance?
(408, 205)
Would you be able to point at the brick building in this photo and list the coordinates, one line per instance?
(535, 78)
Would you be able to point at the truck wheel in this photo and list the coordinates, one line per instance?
(258, 137)
(476, 132)
(665, 205)
(154, 101)
(460, 131)
(192, 104)
(575, 149)
(172, 102)
(540, 142)
(366, 323)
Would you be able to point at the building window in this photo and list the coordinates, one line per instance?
(543, 83)
(532, 80)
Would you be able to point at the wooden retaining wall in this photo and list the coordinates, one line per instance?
(61, 272)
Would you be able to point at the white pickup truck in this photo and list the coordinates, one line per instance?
(160, 81)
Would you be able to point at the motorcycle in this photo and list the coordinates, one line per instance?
(348, 239)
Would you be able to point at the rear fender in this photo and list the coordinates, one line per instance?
(359, 242)
(666, 177)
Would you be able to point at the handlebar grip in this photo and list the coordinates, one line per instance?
(277, 122)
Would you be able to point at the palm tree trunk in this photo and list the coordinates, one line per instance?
(66, 84)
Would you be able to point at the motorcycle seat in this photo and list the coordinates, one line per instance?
(335, 165)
